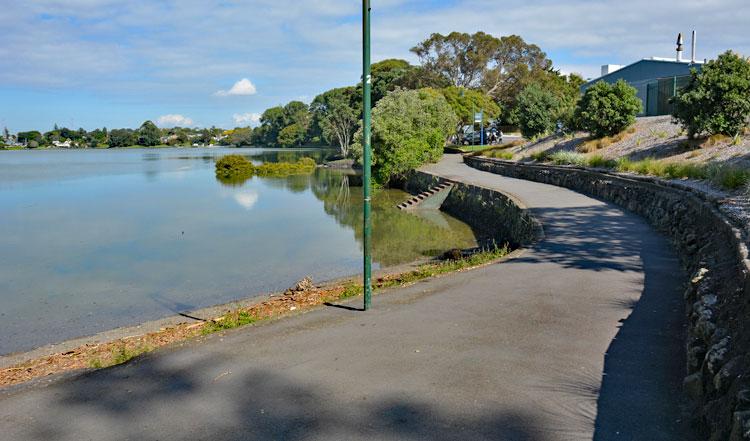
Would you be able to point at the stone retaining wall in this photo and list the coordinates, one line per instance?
(717, 297)
(495, 218)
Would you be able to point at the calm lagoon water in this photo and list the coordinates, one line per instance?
(95, 239)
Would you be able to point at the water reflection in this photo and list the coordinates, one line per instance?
(98, 239)
(398, 236)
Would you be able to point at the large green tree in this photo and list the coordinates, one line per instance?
(292, 135)
(466, 102)
(498, 66)
(272, 121)
(148, 134)
(30, 136)
(122, 138)
(336, 113)
(717, 100)
(409, 128)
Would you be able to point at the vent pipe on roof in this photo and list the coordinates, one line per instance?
(679, 46)
(693, 44)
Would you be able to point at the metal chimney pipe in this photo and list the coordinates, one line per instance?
(693, 44)
(679, 46)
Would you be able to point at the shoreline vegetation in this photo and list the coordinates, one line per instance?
(303, 297)
(236, 169)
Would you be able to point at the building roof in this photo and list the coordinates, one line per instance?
(648, 69)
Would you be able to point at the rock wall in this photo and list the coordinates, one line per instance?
(717, 297)
(495, 218)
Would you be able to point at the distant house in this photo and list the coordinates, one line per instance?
(168, 139)
(63, 144)
(656, 79)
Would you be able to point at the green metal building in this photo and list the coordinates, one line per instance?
(656, 79)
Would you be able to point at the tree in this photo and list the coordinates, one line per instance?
(148, 134)
(607, 109)
(538, 111)
(465, 102)
(409, 128)
(27, 137)
(500, 67)
(6, 134)
(480, 60)
(513, 65)
(459, 57)
(417, 77)
(336, 113)
(122, 138)
(386, 77)
(292, 135)
(98, 137)
(717, 100)
(273, 121)
(240, 136)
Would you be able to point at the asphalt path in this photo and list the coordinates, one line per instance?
(577, 337)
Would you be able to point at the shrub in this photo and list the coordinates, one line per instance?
(568, 158)
(233, 164)
(607, 109)
(409, 128)
(727, 176)
(717, 100)
(499, 154)
(538, 111)
(539, 156)
(600, 162)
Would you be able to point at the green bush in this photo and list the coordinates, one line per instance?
(607, 109)
(409, 128)
(233, 165)
(717, 100)
(599, 161)
(567, 158)
(538, 111)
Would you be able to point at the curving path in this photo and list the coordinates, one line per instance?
(578, 337)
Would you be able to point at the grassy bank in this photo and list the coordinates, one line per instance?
(304, 296)
(725, 176)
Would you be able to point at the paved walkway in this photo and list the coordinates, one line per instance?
(577, 338)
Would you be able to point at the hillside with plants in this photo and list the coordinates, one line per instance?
(706, 139)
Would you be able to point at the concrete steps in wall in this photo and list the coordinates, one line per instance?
(432, 198)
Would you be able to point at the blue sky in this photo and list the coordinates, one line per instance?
(93, 63)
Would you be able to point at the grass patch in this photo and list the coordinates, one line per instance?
(716, 139)
(119, 355)
(568, 158)
(599, 161)
(594, 144)
(730, 177)
(725, 176)
(499, 154)
(542, 156)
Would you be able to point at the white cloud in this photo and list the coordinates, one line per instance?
(173, 120)
(241, 87)
(246, 118)
(246, 199)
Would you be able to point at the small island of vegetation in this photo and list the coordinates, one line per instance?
(236, 169)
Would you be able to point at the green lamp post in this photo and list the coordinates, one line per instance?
(366, 157)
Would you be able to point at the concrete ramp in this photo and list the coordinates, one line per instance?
(431, 199)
